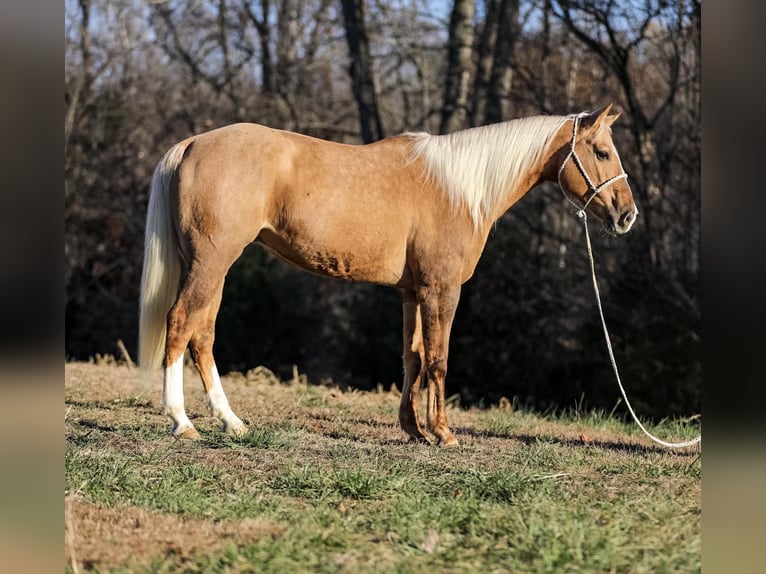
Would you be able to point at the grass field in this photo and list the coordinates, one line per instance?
(325, 482)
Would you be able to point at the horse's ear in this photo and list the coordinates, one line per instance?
(613, 118)
(594, 120)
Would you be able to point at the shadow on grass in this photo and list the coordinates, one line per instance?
(616, 446)
(527, 439)
(94, 425)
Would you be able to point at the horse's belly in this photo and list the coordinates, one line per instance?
(354, 261)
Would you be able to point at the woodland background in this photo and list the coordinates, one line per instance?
(141, 75)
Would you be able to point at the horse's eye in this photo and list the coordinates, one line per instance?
(602, 155)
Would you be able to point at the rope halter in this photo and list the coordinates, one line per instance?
(596, 189)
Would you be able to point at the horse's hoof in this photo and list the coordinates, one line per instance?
(236, 428)
(450, 442)
(189, 433)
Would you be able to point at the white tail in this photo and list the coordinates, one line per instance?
(162, 264)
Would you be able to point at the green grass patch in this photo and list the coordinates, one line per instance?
(277, 436)
(516, 497)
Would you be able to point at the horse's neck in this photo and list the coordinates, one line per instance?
(519, 189)
(544, 170)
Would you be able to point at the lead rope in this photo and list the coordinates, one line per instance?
(695, 440)
(582, 215)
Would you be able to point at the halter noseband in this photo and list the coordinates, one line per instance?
(591, 186)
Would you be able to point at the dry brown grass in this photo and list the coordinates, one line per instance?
(112, 536)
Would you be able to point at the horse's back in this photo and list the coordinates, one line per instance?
(336, 209)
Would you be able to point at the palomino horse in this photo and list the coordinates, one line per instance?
(411, 211)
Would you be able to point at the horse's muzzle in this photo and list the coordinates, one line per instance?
(625, 220)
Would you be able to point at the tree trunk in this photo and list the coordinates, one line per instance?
(545, 64)
(362, 79)
(484, 67)
(287, 56)
(455, 108)
(81, 83)
(264, 38)
(498, 101)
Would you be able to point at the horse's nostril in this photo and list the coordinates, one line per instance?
(627, 219)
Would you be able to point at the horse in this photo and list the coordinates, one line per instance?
(412, 211)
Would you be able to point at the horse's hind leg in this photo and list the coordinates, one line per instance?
(202, 351)
(179, 328)
(191, 320)
(173, 396)
(414, 369)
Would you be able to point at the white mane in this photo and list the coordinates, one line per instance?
(477, 167)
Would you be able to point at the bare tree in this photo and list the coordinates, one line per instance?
(485, 52)
(194, 49)
(361, 70)
(501, 77)
(80, 84)
(459, 51)
(287, 59)
(261, 24)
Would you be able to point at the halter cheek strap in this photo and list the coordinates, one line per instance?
(591, 186)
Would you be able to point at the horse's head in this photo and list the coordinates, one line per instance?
(591, 174)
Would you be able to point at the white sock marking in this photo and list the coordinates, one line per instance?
(219, 405)
(173, 396)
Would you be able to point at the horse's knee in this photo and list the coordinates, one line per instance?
(437, 368)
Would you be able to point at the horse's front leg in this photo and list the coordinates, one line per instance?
(438, 311)
(414, 369)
